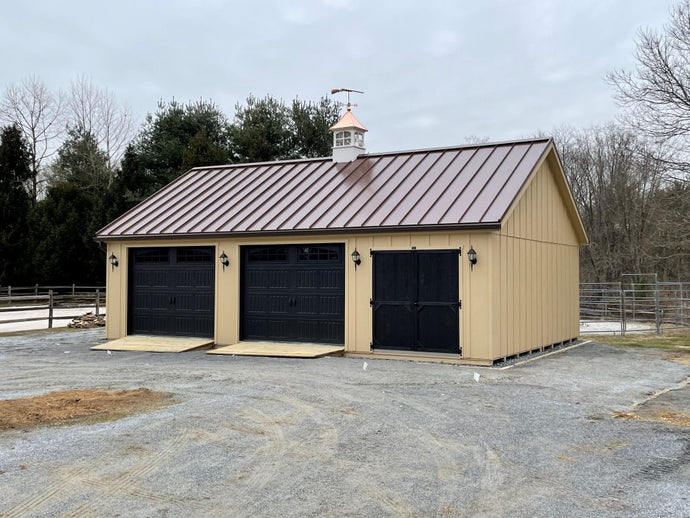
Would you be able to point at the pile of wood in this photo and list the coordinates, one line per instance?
(87, 320)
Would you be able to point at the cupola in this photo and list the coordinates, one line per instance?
(348, 137)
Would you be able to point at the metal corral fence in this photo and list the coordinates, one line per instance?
(637, 302)
(17, 299)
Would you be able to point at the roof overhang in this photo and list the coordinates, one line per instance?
(308, 232)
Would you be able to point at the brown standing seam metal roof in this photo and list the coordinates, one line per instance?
(469, 186)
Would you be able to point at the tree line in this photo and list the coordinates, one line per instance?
(70, 163)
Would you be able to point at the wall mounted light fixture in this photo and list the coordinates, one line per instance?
(113, 261)
(356, 258)
(472, 257)
(224, 260)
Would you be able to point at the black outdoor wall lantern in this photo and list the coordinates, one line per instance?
(224, 260)
(356, 258)
(113, 260)
(472, 257)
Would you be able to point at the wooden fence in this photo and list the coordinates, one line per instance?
(48, 298)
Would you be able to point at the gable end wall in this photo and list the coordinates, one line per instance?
(537, 300)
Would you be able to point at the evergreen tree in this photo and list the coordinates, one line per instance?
(64, 223)
(15, 201)
(261, 131)
(80, 162)
(62, 230)
(171, 141)
(310, 123)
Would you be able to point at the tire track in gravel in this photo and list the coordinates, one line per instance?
(270, 422)
(122, 484)
(321, 444)
(264, 468)
(125, 483)
(36, 502)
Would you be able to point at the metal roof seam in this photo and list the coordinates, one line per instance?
(414, 186)
(485, 184)
(403, 195)
(531, 169)
(274, 176)
(237, 184)
(290, 169)
(500, 190)
(372, 164)
(459, 194)
(250, 180)
(226, 177)
(531, 172)
(355, 165)
(314, 178)
(458, 154)
(143, 214)
(386, 181)
(462, 177)
(122, 220)
(319, 188)
(180, 202)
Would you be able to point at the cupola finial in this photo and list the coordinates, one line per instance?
(348, 132)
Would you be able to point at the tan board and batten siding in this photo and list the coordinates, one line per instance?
(520, 296)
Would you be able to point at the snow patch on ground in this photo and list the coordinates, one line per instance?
(613, 326)
(61, 317)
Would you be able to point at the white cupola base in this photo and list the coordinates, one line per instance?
(348, 137)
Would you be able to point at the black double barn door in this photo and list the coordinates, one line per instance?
(293, 293)
(171, 291)
(415, 300)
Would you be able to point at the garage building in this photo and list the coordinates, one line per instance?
(465, 253)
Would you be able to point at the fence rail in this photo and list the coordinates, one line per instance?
(636, 299)
(48, 298)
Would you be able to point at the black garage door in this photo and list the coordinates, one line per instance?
(293, 293)
(171, 291)
(415, 301)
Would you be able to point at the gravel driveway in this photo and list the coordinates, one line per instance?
(327, 437)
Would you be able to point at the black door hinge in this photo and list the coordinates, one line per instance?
(460, 251)
(371, 302)
(459, 304)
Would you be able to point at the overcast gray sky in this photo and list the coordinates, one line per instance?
(434, 72)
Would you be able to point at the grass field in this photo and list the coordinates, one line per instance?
(677, 340)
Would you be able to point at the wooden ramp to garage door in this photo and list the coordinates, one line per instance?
(282, 350)
(154, 344)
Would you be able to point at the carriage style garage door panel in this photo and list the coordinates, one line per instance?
(171, 291)
(293, 293)
(415, 301)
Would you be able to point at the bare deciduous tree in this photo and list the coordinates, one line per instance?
(621, 189)
(95, 111)
(657, 93)
(39, 114)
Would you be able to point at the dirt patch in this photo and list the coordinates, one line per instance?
(76, 405)
(673, 417)
(626, 415)
(683, 358)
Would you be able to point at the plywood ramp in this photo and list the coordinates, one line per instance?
(281, 350)
(154, 344)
